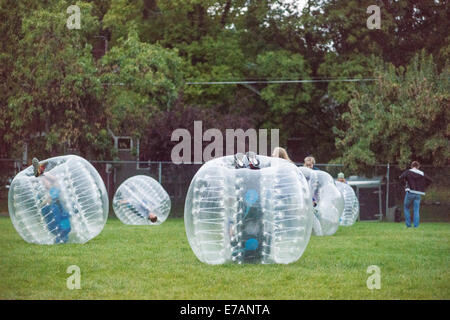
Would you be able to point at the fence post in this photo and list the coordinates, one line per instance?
(387, 189)
(159, 172)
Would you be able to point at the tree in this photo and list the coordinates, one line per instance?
(11, 17)
(342, 46)
(141, 79)
(55, 100)
(213, 59)
(156, 144)
(404, 116)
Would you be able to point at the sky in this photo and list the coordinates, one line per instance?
(299, 3)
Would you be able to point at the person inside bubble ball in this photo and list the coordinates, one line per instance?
(310, 162)
(38, 167)
(55, 215)
(249, 160)
(341, 177)
(140, 208)
(47, 178)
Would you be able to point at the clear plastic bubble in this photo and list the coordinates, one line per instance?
(329, 202)
(141, 200)
(68, 203)
(351, 204)
(248, 216)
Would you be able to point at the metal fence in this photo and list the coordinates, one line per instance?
(377, 201)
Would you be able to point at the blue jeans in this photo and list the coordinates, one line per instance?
(414, 199)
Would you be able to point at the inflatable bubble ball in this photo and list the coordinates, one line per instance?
(351, 204)
(328, 202)
(243, 215)
(141, 200)
(58, 200)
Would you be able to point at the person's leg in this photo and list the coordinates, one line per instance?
(406, 205)
(317, 228)
(253, 160)
(36, 167)
(240, 160)
(416, 210)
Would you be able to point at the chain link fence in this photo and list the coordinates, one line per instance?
(380, 192)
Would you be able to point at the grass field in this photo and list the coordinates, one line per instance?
(139, 262)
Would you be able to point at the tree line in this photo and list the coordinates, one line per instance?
(127, 70)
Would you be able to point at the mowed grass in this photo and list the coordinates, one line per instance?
(141, 262)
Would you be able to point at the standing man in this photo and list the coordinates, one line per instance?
(416, 183)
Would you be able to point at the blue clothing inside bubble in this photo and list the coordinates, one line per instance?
(251, 244)
(54, 193)
(251, 197)
(57, 218)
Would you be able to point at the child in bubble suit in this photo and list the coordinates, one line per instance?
(140, 207)
(341, 177)
(38, 167)
(55, 216)
(310, 162)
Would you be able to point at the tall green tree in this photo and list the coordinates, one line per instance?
(404, 116)
(56, 96)
(141, 80)
(344, 47)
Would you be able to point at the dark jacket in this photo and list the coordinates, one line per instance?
(416, 181)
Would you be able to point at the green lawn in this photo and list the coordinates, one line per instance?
(126, 262)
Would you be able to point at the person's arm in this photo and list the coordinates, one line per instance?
(48, 179)
(403, 175)
(51, 178)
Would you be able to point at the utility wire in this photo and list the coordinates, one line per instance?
(276, 81)
(263, 81)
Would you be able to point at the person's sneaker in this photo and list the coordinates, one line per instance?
(253, 160)
(239, 160)
(35, 163)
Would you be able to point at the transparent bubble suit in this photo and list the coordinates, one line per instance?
(351, 205)
(248, 216)
(139, 196)
(330, 202)
(68, 203)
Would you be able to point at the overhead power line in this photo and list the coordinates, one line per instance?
(248, 82)
(278, 81)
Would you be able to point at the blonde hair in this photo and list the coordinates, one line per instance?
(309, 161)
(281, 153)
